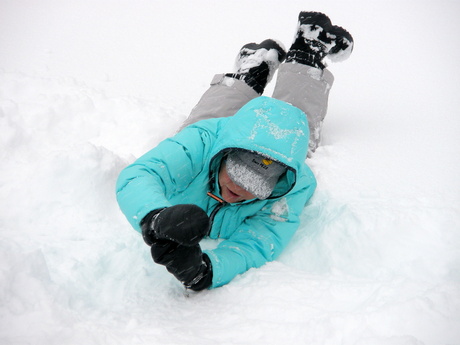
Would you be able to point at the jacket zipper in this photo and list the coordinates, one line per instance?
(221, 204)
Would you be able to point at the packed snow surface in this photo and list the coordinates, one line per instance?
(88, 86)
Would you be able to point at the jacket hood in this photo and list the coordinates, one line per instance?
(269, 127)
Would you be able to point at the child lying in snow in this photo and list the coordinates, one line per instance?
(236, 170)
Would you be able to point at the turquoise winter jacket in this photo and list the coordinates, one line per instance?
(184, 168)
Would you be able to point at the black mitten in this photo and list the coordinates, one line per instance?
(163, 251)
(148, 232)
(184, 224)
(187, 263)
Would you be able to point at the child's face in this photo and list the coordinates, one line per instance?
(229, 191)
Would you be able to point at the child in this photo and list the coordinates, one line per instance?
(236, 170)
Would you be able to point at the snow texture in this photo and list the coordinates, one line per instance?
(280, 209)
(88, 86)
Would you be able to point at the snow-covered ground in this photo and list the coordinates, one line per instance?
(87, 86)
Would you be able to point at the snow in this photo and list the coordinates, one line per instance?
(88, 86)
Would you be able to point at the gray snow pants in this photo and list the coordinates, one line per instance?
(303, 86)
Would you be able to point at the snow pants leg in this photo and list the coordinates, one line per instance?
(224, 98)
(306, 88)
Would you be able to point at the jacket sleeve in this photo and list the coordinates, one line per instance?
(260, 238)
(167, 169)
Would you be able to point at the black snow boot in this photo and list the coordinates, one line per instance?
(256, 63)
(316, 39)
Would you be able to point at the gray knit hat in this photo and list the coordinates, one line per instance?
(253, 172)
